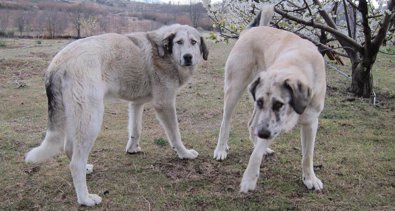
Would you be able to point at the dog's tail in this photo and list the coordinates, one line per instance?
(55, 137)
(264, 17)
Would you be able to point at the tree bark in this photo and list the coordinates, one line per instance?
(362, 79)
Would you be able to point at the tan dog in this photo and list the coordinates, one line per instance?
(138, 67)
(288, 85)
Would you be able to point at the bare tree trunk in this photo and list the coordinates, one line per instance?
(362, 78)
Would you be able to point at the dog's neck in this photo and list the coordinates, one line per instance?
(185, 73)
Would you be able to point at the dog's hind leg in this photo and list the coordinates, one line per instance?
(135, 119)
(84, 127)
(238, 73)
(68, 147)
(233, 91)
(84, 111)
(308, 134)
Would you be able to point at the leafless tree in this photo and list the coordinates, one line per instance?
(21, 22)
(362, 53)
(4, 20)
(41, 23)
(359, 33)
(195, 12)
(77, 15)
(56, 22)
(89, 24)
(104, 23)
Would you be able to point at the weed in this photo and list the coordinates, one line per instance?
(160, 142)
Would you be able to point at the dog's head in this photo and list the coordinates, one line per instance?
(183, 43)
(277, 100)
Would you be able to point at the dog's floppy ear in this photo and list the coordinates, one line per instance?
(166, 45)
(252, 87)
(300, 94)
(203, 48)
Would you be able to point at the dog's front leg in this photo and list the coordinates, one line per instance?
(134, 127)
(251, 174)
(166, 113)
(308, 134)
(233, 91)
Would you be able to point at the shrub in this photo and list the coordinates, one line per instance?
(2, 44)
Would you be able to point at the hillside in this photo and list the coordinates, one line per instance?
(72, 18)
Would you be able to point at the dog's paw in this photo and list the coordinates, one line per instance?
(90, 200)
(89, 168)
(313, 183)
(268, 151)
(134, 150)
(188, 154)
(247, 185)
(221, 154)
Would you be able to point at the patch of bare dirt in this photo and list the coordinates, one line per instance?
(221, 177)
(41, 55)
(13, 69)
(185, 169)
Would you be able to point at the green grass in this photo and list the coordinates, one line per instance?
(2, 44)
(354, 154)
(160, 142)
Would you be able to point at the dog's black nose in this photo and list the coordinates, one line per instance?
(264, 133)
(188, 58)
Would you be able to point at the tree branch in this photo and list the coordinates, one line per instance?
(378, 40)
(347, 18)
(363, 9)
(352, 4)
(333, 31)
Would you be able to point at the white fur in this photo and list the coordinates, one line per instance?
(140, 68)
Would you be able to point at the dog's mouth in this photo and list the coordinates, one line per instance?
(187, 63)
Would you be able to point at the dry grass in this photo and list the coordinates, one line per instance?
(355, 151)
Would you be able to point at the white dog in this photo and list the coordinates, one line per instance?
(138, 67)
(288, 85)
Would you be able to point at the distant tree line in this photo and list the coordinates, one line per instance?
(50, 19)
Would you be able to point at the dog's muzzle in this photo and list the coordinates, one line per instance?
(187, 59)
(264, 133)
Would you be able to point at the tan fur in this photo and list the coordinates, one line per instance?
(285, 68)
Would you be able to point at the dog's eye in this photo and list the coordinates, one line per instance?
(180, 42)
(277, 106)
(193, 42)
(259, 103)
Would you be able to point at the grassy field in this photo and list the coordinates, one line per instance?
(354, 156)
